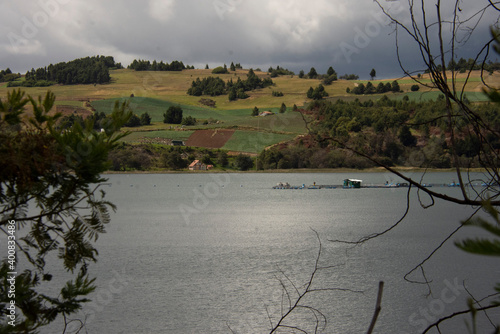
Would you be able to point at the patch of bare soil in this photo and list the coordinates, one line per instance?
(209, 138)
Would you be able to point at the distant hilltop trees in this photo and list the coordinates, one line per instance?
(349, 77)
(274, 72)
(381, 88)
(215, 86)
(146, 65)
(463, 65)
(89, 70)
(7, 75)
(220, 70)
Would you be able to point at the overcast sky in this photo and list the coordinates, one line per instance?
(350, 35)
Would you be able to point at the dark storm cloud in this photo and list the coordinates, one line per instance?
(352, 36)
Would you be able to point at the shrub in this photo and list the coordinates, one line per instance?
(208, 102)
(243, 162)
(220, 70)
(329, 79)
(173, 115)
(145, 119)
(188, 120)
(133, 121)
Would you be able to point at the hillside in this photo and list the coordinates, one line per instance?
(154, 92)
(172, 87)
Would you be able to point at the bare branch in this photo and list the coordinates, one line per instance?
(494, 5)
(420, 265)
(464, 201)
(301, 293)
(375, 235)
(455, 314)
(229, 327)
(378, 307)
(478, 302)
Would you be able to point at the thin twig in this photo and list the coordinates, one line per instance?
(376, 235)
(420, 265)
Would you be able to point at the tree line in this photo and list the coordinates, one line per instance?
(233, 67)
(89, 70)
(146, 65)
(381, 88)
(463, 65)
(7, 75)
(403, 132)
(100, 121)
(127, 157)
(328, 78)
(275, 72)
(215, 86)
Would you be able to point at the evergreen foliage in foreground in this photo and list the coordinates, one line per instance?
(56, 172)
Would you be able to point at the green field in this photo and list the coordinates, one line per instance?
(254, 141)
(286, 123)
(433, 95)
(241, 141)
(139, 136)
(154, 107)
(154, 92)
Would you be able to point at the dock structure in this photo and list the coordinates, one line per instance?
(303, 186)
(356, 184)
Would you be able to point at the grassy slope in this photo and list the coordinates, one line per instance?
(154, 92)
(172, 86)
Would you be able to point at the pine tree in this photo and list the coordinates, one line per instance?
(312, 73)
(310, 93)
(46, 164)
(282, 108)
(145, 119)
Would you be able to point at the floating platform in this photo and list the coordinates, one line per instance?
(322, 186)
(372, 186)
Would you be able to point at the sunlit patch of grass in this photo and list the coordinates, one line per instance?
(254, 141)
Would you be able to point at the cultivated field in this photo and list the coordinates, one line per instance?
(154, 92)
(210, 138)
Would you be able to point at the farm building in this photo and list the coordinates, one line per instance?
(178, 143)
(198, 165)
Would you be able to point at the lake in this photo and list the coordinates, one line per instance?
(210, 253)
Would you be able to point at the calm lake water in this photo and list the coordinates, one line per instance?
(206, 253)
